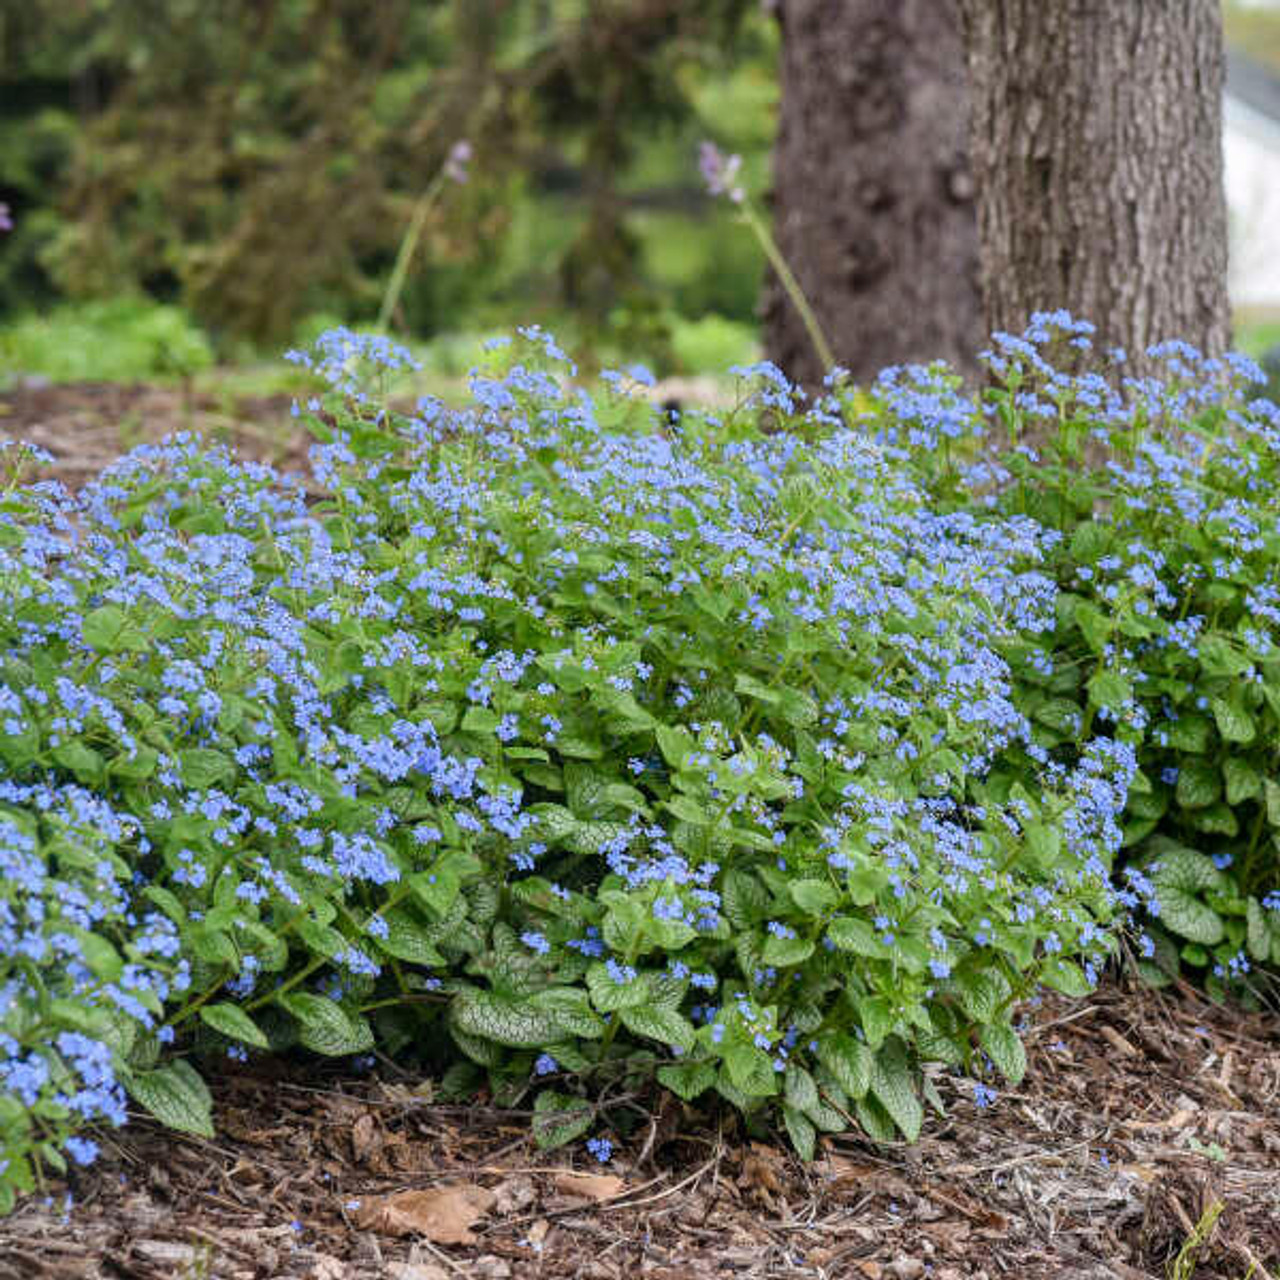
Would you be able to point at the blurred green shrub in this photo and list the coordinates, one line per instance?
(111, 341)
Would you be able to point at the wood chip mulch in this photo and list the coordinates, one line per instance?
(1143, 1115)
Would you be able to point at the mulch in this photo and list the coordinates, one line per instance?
(1143, 1114)
(1143, 1117)
(87, 425)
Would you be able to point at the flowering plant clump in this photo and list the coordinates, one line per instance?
(605, 751)
(1167, 559)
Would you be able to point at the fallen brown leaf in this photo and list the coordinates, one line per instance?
(366, 1140)
(591, 1186)
(444, 1214)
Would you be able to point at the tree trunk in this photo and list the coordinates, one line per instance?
(873, 199)
(1096, 145)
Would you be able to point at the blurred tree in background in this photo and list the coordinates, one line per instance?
(257, 160)
(873, 199)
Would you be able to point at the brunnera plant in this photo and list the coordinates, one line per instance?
(603, 750)
(1161, 494)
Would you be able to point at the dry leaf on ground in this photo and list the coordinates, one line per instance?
(591, 1186)
(444, 1215)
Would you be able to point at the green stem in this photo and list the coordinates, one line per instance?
(792, 287)
(407, 247)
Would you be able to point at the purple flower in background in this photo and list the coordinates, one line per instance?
(720, 172)
(455, 167)
(6, 218)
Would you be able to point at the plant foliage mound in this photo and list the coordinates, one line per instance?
(1162, 494)
(541, 740)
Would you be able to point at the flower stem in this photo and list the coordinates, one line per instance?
(407, 247)
(791, 285)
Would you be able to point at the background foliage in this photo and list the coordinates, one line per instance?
(257, 163)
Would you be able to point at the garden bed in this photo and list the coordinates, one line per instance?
(1138, 1111)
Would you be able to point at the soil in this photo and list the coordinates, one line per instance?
(1143, 1116)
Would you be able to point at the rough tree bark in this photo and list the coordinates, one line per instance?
(872, 195)
(1096, 146)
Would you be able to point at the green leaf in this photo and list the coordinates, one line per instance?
(84, 762)
(111, 630)
(1191, 733)
(320, 939)
(437, 890)
(751, 1070)
(799, 1089)
(167, 902)
(1219, 657)
(878, 1018)
(1066, 977)
(1179, 875)
(1109, 689)
(800, 1130)
(234, 1023)
(852, 934)
(1095, 626)
(785, 953)
(1090, 542)
(687, 1079)
(175, 1095)
(1217, 819)
(687, 809)
(981, 993)
(1199, 784)
(893, 1085)
(1004, 1047)
(407, 938)
(1273, 802)
(142, 764)
(102, 958)
(816, 897)
(1235, 724)
(609, 996)
(876, 1120)
(664, 1025)
(480, 720)
(744, 900)
(272, 950)
(797, 708)
(522, 1023)
(1044, 845)
(675, 744)
(559, 1118)
(753, 688)
(203, 767)
(1243, 781)
(1263, 933)
(488, 1053)
(326, 1027)
(849, 1060)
